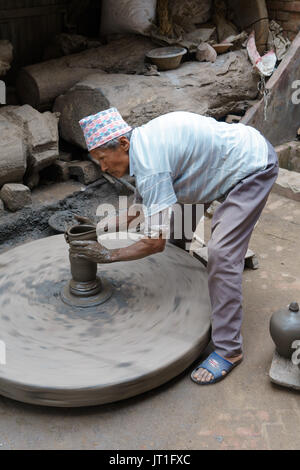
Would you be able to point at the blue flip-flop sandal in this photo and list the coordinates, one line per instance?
(215, 365)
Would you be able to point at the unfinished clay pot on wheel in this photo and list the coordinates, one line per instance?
(285, 329)
(85, 288)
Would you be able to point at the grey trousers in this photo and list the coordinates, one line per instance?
(232, 225)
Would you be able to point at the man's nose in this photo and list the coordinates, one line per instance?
(104, 167)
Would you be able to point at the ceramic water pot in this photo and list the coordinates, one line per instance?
(285, 329)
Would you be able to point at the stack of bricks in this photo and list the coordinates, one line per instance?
(287, 14)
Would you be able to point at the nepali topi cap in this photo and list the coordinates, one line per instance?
(102, 127)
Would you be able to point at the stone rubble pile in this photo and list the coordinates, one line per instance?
(216, 79)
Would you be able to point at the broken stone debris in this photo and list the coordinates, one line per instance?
(289, 155)
(204, 88)
(212, 208)
(238, 41)
(15, 196)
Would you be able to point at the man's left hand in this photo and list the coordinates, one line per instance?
(91, 251)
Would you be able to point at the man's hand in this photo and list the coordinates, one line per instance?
(90, 251)
(93, 251)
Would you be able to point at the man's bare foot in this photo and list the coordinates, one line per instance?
(202, 375)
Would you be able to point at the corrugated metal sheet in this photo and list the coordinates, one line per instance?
(29, 25)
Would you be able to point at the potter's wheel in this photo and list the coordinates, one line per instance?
(155, 324)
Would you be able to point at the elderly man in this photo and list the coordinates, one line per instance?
(186, 158)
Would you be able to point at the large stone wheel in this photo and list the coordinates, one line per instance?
(155, 324)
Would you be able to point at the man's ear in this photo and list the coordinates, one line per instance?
(125, 143)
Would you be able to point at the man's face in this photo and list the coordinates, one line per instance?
(113, 161)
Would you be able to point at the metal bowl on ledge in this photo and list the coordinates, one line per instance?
(166, 58)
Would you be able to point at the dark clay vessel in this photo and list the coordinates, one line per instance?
(285, 329)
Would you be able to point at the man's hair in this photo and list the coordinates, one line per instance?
(114, 143)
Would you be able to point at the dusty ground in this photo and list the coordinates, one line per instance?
(245, 411)
(32, 222)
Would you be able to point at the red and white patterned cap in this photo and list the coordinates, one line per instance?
(100, 128)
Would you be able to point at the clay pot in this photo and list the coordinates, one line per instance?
(285, 329)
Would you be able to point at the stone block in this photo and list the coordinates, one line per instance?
(65, 156)
(15, 196)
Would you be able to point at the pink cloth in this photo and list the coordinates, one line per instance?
(100, 128)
